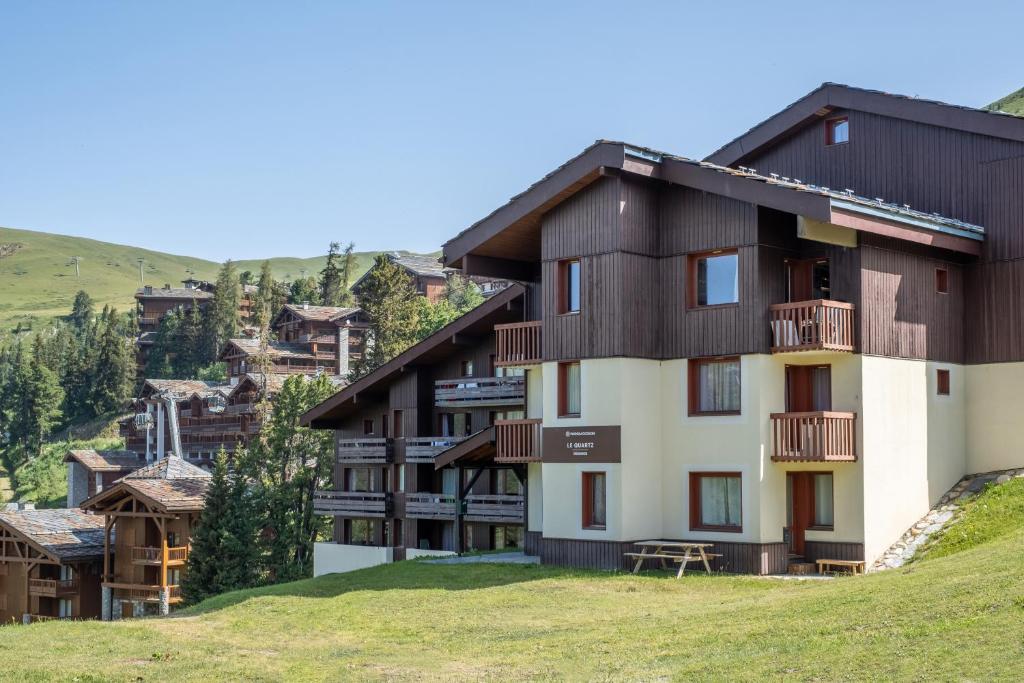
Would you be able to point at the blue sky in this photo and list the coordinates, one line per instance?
(252, 129)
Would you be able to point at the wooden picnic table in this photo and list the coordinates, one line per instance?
(676, 551)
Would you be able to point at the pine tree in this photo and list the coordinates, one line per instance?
(81, 310)
(114, 369)
(389, 299)
(266, 301)
(166, 344)
(348, 266)
(240, 555)
(203, 570)
(222, 319)
(37, 401)
(190, 357)
(330, 278)
(304, 290)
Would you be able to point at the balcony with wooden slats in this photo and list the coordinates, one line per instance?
(517, 440)
(353, 503)
(153, 556)
(822, 436)
(52, 588)
(423, 449)
(430, 505)
(819, 325)
(502, 508)
(469, 392)
(365, 450)
(517, 344)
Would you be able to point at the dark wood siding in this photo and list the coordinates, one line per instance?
(740, 558)
(995, 314)
(827, 550)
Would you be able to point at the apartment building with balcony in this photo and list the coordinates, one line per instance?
(417, 468)
(791, 349)
(50, 564)
(146, 520)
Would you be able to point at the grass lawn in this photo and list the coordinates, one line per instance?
(958, 617)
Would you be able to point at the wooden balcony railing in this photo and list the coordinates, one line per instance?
(517, 343)
(365, 450)
(176, 555)
(353, 503)
(498, 508)
(812, 325)
(143, 592)
(814, 437)
(429, 505)
(480, 391)
(517, 440)
(52, 588)
(426, 448)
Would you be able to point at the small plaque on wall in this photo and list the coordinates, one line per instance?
(582, 444)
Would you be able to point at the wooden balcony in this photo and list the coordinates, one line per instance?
(153, 556)
(366, 450)
(498, 509)
(430, 506)
(467, 392)
(353, 503)
(517, 343)
(484, 508)
(425, 449)
(819, 325)
(52, 588)
(143, 592)
(814, 437)
(517, 440)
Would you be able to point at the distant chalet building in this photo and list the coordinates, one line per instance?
(146, 531)
(155, 302)
(90, 471)
(50, 564)
(430, 278)
(212, 415)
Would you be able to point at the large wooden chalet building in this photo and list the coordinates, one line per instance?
(789, 350)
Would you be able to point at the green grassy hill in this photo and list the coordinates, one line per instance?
(954, 617)
(1011, 104)
(37, 275)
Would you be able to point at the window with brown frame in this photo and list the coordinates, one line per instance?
(569, 395)
(942, 382)
(942, 281)
(594, 497)
(466, 368)
(716, 502)
(714, 386)
(837, 131)
(822, 501)
(367, 426)
(569, 286)
(713, 279)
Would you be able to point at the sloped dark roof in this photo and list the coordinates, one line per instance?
(106, 461)
(416, 264)
(171, 484)
(184, 388)
(317, 313)
(171, 467)
(183, 293)
(275, 349)
(63, 534)
(830, 96)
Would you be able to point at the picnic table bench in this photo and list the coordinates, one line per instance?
(679, 552)
(855, 566)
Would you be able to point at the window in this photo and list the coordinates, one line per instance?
(466, 368)
(942, 382)
(837, 131)
(64, 609)
(715, 502)
(569, 286)
(359, 479)
(942, 281)
(714, 279)
(399, 430)
(67, 573)
(367, 426)
(361, 531)
(823, 505)
(569, 389)
(384, 425)
(714, 386)
(593, 500)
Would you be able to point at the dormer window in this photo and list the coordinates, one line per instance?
(837, 131)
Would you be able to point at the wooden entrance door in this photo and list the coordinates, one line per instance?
(800, 501)
(807, 279)
(808, 388)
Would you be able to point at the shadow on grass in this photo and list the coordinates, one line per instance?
(408, 575)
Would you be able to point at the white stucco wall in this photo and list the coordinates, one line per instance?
(413, 553)
(995, 430)
(947, 430)
(333, 558)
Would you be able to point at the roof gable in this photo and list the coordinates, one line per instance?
(831, 96)
(61, 534)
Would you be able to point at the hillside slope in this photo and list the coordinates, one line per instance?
(37, 275)
(958, 617)
(1011, 104)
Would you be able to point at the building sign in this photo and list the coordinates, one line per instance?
(582, 444)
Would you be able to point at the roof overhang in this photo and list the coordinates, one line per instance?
(477, 448)
(480, 321)
(829, 97)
